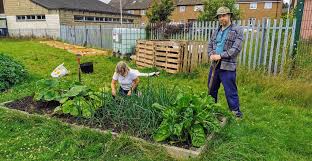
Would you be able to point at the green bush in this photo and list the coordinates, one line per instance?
(11, 72)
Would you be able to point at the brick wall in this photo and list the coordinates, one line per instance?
(188, 15)
(274, 13)
(306, 25)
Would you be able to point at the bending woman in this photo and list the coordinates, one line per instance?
(126, 77)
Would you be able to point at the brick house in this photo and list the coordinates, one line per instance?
(258, 9)
(306, 24)
(1, 7)
(3, 26)
(188, 10)
(50, 14)
(136, 7)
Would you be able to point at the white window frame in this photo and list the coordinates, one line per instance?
(252, 20)
(20, 18)
(130, 11)
(199, 8)
(253, 5)
(268, 5)
(143, 12)
(182, 8)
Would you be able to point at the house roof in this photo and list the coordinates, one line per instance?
(145, 4)
(200, 2)
(248, 1)
(189, 2)
(80, 5)
(116, 3)
(138, 4)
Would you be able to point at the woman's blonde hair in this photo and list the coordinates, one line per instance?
(121, 67)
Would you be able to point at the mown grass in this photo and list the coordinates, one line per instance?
(277, 110)
(24, 137)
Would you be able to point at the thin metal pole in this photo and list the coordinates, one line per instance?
(120, 12)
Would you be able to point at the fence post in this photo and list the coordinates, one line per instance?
(75, 35)
(264, 30)
(101, 36)
(299, 15)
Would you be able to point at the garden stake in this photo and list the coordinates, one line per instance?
(79, 71)
(212, 75)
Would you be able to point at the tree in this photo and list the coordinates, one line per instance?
(211, 7)
(160, 12)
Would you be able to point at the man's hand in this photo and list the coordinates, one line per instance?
(215, 57)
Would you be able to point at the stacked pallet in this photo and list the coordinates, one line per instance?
(145, 53)
(171, 56)
(168, 56)
(195, 54)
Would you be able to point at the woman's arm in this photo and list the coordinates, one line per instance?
(113, 86)
(134, 85)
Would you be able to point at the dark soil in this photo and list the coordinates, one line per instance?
(29, 105)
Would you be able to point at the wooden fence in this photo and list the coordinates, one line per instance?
(267, 44)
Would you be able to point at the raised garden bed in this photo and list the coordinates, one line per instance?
(133, 115)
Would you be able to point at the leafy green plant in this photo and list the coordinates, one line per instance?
(160, 11)
(211, 7)
(11, 72)
(135, 114)
(190, 116)
(75, 99)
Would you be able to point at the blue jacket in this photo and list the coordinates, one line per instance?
(232, 47)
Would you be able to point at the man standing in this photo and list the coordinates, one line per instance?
(223, 49)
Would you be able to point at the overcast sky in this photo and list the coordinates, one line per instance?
(105, 1)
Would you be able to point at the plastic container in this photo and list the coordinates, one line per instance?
(86, 67)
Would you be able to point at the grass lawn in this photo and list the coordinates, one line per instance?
(276, 124)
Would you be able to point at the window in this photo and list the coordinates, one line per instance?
(252, 20)
(268, 5)
(99, 19)
(143, 12)
(253, 6)
(198, 8)
(130, 11)
(89, 18)
(116, 19)
(236, 6)
(182, 8)
(30, 18)
(108, 19)
(78, 18)
(41, 17)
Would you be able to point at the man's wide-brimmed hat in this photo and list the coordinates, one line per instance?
(223, 10)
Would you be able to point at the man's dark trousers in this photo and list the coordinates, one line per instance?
(228, 80)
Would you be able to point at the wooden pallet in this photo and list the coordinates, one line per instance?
(168, 56)
(172, 56)
(195, 54)
(145, 54)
